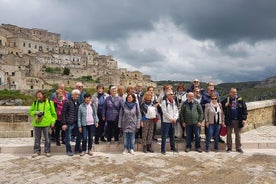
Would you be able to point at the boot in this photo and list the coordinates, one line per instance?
(145, 149)
(149, 149)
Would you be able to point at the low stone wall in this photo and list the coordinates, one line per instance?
(15, 121)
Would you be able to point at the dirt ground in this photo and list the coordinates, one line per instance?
(254, 166)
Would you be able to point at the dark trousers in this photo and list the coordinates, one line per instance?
(112, 130)
(87, 131)
(190, 131)
(100, 129)
(59, 131)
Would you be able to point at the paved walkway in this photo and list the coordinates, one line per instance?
(108, 165)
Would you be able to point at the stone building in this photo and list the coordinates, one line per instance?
(36, 58)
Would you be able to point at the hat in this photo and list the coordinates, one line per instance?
(196, 80)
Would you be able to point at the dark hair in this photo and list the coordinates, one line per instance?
(180, 86)
(43, 94)
(133, 96)
(87, 95)
(150, 87)
(100, 86)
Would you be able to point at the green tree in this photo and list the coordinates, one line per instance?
(66, 71)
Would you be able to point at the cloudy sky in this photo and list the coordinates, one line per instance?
(213, 40)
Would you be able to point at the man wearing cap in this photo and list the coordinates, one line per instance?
(196, 84)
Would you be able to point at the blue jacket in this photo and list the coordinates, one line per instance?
(82, 114)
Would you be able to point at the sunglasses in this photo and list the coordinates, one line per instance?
(214, 98)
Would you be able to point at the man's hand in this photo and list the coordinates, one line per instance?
(64, 127)
(80, 130)
(184, 124)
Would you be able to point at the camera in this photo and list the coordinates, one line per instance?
(40, 114)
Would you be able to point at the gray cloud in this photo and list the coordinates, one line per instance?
(175, 40)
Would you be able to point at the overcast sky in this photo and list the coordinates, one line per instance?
(212, 40)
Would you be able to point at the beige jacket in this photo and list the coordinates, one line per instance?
(210, 114)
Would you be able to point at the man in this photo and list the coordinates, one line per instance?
(191, 117)
(70, 120)
(235, 112)
(196, 84)
(170, 115)
(140, 93)
(61, 87)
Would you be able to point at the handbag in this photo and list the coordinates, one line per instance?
(223, 131)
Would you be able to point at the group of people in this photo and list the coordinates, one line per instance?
(134, 114)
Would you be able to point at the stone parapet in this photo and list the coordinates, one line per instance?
(15, 121)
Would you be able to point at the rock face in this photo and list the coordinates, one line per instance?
(16, 102)
(267, 83)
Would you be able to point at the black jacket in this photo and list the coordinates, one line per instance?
(70, 112)
(241, 107)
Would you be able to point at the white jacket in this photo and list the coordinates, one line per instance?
(169, 110)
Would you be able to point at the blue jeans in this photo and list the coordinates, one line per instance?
(89, 131)
(68, 134)
(167, 129)
(213, 129)
(129, 139)
(190, 131)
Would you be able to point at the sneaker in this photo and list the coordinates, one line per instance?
(125, 152)
(239, 150)
(103, 140)
(131, 151)
(47, 154)
(187, 150)
(228, 150)
(207, 150)
(108, 143)
(90, 153)
(35, 155)
(82, 153)
(221, 140)
(215, 150)
(70, 153)
(163, 152)
(155, 139)
(198, 150)
(96, 142)
(58, 143)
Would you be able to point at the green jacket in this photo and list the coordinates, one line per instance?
(191, 116)
(49, 116)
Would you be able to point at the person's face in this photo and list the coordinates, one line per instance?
(87, 100)
(170, 96)
(75, 96)
(60, 95)
(131, 91)
(190, 97)
(197, 92)
(80, 88)
(129, 98)
(210, 91)
(180, 89)
(196, 83)
(113, 92)
(100, 90)
(148, 97)
(233, 93)
(151, 90)
(62, 87)
(39, 96)
(139, 88)
(214, 99)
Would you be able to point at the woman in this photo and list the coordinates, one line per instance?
(44, 115)
(129, 121)
(59, 101)
(110, 114)
(87, 122)
(214, 119)
(149, 114)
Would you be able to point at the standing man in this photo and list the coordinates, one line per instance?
(170, 115)
(140, 94)
(235, 112)
(191, 117)
(70, 120)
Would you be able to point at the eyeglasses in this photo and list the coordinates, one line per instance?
(197, 91)
(170, 94)
(214, 98)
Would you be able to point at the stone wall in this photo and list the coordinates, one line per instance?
(15, 121)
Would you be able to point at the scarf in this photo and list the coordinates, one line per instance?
(216, 109)
(130, 105)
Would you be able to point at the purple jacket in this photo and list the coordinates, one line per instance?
(111, 108)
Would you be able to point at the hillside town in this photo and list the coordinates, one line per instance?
(34, 59)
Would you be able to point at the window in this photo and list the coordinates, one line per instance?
(32, 87)
(13, 73)
(35, 46)
(30, 45)
(14, 44)
(0, 42)
(24, 44)
(29, 51)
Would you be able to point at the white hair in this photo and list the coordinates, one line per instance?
(75, 91)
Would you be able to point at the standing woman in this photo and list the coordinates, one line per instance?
(44, 115)
(149, 114)
(87, 123)
(110, 114)
(129, 121)
(214, 119)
